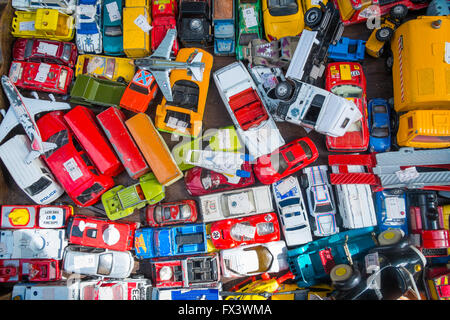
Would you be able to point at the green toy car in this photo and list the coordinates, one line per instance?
(249, 24)
(89, 90)
(120, 201)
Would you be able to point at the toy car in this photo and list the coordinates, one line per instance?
(140, 92)
(32, 244)
(286, 160)
(282, 18)
(30, 270)
(134, 288)
(235, 203)
(35, 179)
(164, 15)
(438, 8)
(69, 163)
(43, 23)
(88, 24)
(120, 201)
(101, 233)
(347, 49)
(184, 114)
(47, 51)
(273, 54)
(35, 216)
(104, 67)
(88, 90)
(391, 208)
(170, 241)
(259, 228)
(379, 123)
(190, 294)
(292, 211)
(136, 41)
(248, 24)
(65, 6)
(380, 36)
(200, 181)
(320, 200)
(54, 290)
(168, 213)
(194, 22)
(346, 79)
(437, 280)
(45, 77)
(253, 123)
(112, 30)
(98, 262)
(254, 259)
(199, 271)
(224, 31)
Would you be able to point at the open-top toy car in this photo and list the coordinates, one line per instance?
(177, 212)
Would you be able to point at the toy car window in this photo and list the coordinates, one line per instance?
(86, 195)
(105, 261)
(306, 149)
(113, 31)
(38, 186)
(265, 228)
(110, 67)
(61, 138)
(282, 7)
(278, 163)
(380, 132)
(347, 91)
(166, 213)
(289, 202)
(290, 156)
(185, 94)
(379, 109)
(66, 52)
(185, 211)
(355, 126)
(28, 49)
(323, 208)
(137, 88)
(247, 37)
(241, 231)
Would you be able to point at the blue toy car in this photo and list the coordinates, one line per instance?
(224, 32)
(87, 22)
(438, 8)
(347, 49)
(391, 207)
(112, 27)
(313, 261)
(378, 118)
(170, 241)
(189, 294)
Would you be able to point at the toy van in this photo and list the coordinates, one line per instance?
(424, 129)
(35, 178)
(154, 149)
(136, 41)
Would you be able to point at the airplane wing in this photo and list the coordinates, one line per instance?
(165, 47)
(36, 106)
(197, 72)
(163, 81)
(9, 122)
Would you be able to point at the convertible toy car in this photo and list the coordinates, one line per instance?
(347, 80)
(104, 67)
(88, 24)
(199, 271)
(184, 114)
(379, 123)
(164, 15)
(200, 181)
(282, 18)
(120, 201)
(194, 22)
(47, 51)
(286, 160)
(112, 31)
(347, 49)
(185, 239)
(259, 228)
(292, 211)
(30, 270)
(168, 213)
(391, 208)
(101, 233)
(254, 259)
(235, 203)
(224, 30)
(35, 216)
(140, 92)
(38, 76)
(248, 24)
(70, 164)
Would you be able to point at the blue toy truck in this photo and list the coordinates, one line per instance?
(223, 22)
(347, 49)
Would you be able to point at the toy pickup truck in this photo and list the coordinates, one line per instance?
(185, 239)
(224, 32)
(253, 122)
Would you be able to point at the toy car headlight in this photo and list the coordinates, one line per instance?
(165, 273)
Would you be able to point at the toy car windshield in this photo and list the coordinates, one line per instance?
(105, 264)
(347, 91)
(282, 7)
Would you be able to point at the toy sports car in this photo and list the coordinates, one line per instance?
(178, 212)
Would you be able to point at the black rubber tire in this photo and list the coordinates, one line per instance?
(384, 34)
(399, 11)
(313, 17)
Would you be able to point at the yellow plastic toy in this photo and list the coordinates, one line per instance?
(43, 23)
(379, 36)
(136, 34)
(106, 67)
(138, 3)
(19, 217)
(282, 21)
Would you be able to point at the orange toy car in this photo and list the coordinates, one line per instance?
(140, 92)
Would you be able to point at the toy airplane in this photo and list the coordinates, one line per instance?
(22, 110)
(159, 64)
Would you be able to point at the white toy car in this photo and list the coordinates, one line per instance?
(135, 288)
(253, 122)
(292, 211)
(64, 6)
(87, 22)
(236, 203)
(254, 259)
(35, 178)
(56, 290)
(98, 262)
(320, 200)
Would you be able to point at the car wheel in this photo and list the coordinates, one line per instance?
(398, 12)
(384, 34)
(283, 90)
(390, 237)
(313, 16)
(345, 277)
(121, 80)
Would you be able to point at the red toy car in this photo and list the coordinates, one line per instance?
(34, 216)
(83, 123)
(101, 233)
(37, 76)
(164, 214)
(30, 270)
(347, 79)
(200, 181)
(48, 51)
(69, 163)
(164, 14)
(259, 228)
(286, 160)
(140, 92)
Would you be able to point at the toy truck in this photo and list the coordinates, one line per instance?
(35, 216)
(224, 32)
(347, 49)
(194, 22)
(136, 36)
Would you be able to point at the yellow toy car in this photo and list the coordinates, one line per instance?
(136, 36)
(184, 115)
(282, 18)
(105, 67)
(43, 23)
(379, 37)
